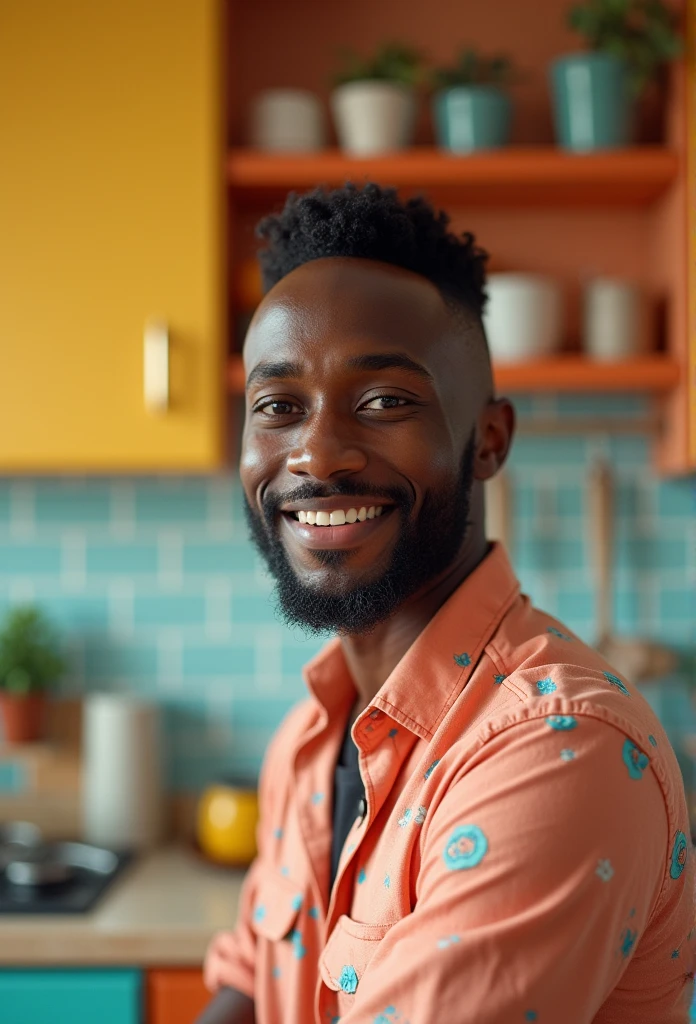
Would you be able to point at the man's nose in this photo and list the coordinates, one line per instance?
(327, 447)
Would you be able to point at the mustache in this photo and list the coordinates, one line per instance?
(344, 488)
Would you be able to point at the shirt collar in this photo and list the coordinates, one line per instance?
(436, 667)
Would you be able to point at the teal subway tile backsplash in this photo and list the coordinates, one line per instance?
(157, 590)
(27, 559)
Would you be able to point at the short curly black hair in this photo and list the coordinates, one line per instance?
(371, 222)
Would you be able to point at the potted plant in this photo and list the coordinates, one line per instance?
(595, 92)
(374, 99)
(471, 107)
(29, 663)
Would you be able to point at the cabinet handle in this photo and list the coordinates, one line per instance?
(156, 366)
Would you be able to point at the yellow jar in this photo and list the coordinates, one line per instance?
(226, 823)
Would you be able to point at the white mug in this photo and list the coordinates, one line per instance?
(523, 318)
(287, 120)
(614, 320)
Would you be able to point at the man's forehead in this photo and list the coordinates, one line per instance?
(349, 299)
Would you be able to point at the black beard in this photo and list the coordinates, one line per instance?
(424, 549)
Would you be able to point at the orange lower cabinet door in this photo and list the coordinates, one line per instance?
(175, 996)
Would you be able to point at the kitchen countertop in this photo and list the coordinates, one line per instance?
(162, 910)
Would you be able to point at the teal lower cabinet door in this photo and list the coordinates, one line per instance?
(70, 996)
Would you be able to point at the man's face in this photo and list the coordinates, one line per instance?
(361, 397)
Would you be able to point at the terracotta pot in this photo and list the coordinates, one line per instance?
(22, 716)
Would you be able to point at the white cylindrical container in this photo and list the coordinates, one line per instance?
(122, 798)
(523, 318)
(287, 120)
(614, 320)
(373, 117)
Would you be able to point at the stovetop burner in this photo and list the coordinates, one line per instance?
(39, 877)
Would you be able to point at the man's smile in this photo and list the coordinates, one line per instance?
(323, 526)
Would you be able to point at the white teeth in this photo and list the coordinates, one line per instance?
(339, 517)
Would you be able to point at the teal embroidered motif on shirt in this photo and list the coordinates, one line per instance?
(634, 759)
(392, 733)
(675, 954)
(387, 881)
(314, 913)
(499, 679)
(463, 660)
(567, 754)
(296, 902)
(260, 912)
(679, 854)
(403, 822)
(278, 833)
(466, 847)
(276, 972)
(297, 947)
(450, 940)
(348, 982)
(530, 1015)
(615, 681)
(362, 876)
(561, 721)
(546, 685)
(605, 870)
(431, 769)
(285, 871)
(557, 632)
(651, 740)
(317, 798)
(628, 941)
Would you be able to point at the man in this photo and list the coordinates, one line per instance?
(473, 819)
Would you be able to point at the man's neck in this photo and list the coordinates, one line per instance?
(372, 657)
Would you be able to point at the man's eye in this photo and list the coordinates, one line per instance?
(385, 402)
(277, 407)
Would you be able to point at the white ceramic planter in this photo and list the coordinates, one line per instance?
(614, 320)
(287, 120)
(523, 318)
(373, 117)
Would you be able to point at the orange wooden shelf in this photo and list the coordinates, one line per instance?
(655, 374)
(515, 176)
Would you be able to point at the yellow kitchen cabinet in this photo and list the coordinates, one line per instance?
(111, 217)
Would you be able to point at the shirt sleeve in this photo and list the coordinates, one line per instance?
(540, 869)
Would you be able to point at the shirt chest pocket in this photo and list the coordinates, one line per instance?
(346, 957)
(276, 907)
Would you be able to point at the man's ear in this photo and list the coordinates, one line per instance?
(494, 434)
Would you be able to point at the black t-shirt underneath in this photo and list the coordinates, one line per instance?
(348, 792)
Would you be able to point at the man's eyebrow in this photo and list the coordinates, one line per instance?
(273, 371)
(389, 361)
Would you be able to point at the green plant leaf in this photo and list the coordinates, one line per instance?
(30, 658)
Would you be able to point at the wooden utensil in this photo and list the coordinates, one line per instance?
(634, 658)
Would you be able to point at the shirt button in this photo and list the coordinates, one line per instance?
(362, 808)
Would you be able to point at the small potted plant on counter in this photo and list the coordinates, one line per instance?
(374, 100)
(30, 662)
(595, 92)
(471, 106)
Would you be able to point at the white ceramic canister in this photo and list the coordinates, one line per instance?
(122, 795)
(523, 318)
(373, 117)
(287, 120)
(614, 320)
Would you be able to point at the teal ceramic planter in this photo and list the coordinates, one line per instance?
(471, 117)
(592, 102)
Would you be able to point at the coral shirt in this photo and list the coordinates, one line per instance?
(525, 853)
